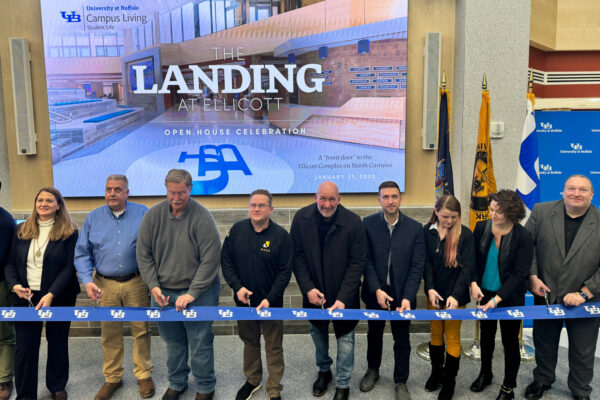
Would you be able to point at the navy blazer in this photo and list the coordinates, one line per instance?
(407, 249)
(58, 273)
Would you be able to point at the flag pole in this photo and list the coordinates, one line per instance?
(527, 352)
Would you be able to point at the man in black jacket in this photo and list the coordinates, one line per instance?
(7, 329)
(256, 263)
(393, 273)
(329, 256)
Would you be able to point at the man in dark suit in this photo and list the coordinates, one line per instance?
(393, 273)
(565, 267)
(329, 256)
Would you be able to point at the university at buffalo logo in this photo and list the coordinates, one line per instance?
(71, 16)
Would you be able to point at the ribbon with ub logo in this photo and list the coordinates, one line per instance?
(556, 311)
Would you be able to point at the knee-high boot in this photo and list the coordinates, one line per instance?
(436, 354)
(449, 382)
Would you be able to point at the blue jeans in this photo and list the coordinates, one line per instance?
(344, 362)
(198, 336)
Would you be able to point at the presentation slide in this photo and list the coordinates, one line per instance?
(243, 94)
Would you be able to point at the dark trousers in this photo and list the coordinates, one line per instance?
(509, 331)
(400, 332)
(27, 353)
(583, 334)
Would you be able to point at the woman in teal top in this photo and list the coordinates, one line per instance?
(503, 254)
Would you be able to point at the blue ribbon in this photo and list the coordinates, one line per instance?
(588, 310)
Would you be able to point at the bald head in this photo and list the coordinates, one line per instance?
(327, 198)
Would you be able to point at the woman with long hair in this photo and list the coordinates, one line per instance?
(41, 273)
(448, 268)
(504, 251)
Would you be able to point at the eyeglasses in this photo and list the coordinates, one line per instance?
(259, 206)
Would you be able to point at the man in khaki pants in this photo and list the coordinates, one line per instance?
(107, 242)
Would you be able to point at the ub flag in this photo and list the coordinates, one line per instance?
(484, 182)
(444, 181)
(528, 173)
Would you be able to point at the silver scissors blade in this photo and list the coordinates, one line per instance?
(387, 303)
(248, 301)
(546, 299)
(29, 300)
(322, 307)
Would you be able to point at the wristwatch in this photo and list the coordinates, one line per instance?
(584, 295)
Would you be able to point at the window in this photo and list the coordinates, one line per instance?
(204, 18)
(165, 28)
(189, 30)
(218, 15)
(176, 28)
(100, 51)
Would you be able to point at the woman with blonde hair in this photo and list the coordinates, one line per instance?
(448, 268)
(41, 273)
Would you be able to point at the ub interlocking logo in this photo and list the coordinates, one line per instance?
(556, 311)
(407, 315)
(443, 315)
(81, 314)
(72, 17)
(117, 314)
(153, 314)
(215, 158)
(191, 314)
(592, 309)
(45, 314)
(371, 315)
(479, 314)
(299, 314)
(546, 125)
(9, 314)
(515, 313)
(225, 313)
(336, 314)
(264, 314)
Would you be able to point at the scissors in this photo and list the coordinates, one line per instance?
(322, 307)
(248, 301)
(98, 294)
(387, 303)
(546, 298)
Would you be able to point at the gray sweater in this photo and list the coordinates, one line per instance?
(181, 252)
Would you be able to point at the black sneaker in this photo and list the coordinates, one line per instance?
(246, 391)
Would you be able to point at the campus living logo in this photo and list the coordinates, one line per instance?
(72, 16)
(576, 148)
(546, 169)
(546, 127)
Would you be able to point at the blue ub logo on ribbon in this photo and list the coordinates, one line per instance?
(212, 158)
(72, 17)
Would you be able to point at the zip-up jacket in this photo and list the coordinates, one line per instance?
(258, 261)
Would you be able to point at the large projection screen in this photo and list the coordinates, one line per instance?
(241, 95)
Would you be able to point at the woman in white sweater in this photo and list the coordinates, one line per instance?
(41, 273)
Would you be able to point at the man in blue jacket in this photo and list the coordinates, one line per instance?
(392, 276)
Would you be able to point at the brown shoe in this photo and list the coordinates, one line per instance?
(146, 387)
(205, 396)
(6, 390)
(61, 395)
(107, 390)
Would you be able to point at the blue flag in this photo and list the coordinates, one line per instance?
(444, 182)
(528, 174)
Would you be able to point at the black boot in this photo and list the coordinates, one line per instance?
(449, 381)
(436, 354)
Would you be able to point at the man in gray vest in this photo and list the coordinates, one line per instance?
(179, 253)
(565, 270)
